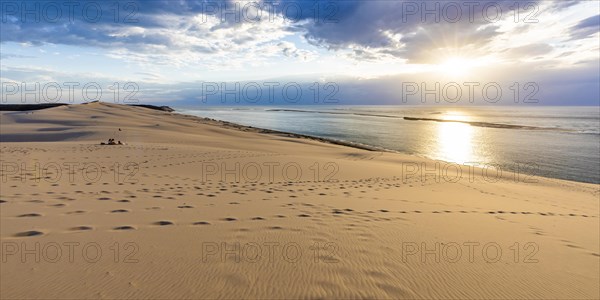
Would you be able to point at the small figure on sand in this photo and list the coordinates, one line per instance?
(111, 142)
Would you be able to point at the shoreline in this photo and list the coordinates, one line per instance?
(354, 144)
(290, 134)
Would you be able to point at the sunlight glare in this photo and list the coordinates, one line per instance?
(455, 142)
(456, 67)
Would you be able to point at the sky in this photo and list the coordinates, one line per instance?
(301, 52)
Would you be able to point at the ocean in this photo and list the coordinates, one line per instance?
(556, 142)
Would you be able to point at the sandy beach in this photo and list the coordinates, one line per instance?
(197, 208)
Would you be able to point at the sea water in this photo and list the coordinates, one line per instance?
(556, 142)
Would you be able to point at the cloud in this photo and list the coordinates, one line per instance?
(586, 28)
(290, 50)
(407, 28)
(11, 55)
(161, 25)
(529, 50)
(171, 29)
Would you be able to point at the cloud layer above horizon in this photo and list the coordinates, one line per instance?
(168, 48)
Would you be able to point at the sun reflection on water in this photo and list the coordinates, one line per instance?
(455, 142)
(455, 116)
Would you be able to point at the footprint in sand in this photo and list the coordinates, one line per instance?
(81, 228)
(258, 218)
(185, 206)
(304, 216)
(29, 233)
(229, 219)
(163, 223)
(119, 211)
(29, 215)
(124, 228)
(275, 227)
(201, 223)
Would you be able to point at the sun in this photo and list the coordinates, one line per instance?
(456, 66)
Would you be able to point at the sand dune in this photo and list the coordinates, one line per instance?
(195, 208)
